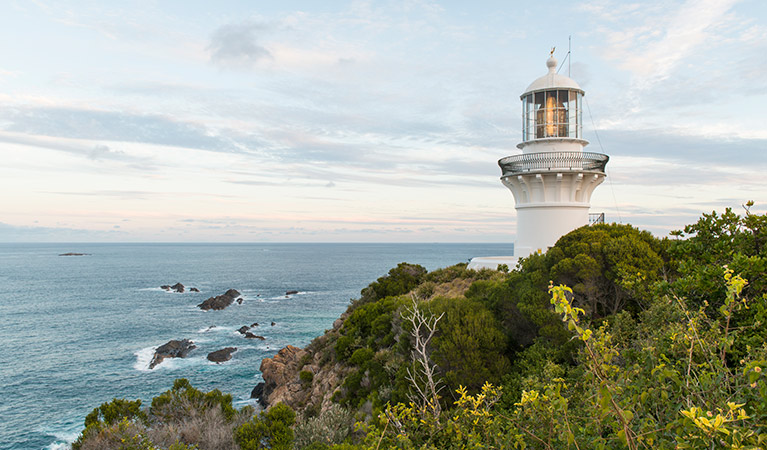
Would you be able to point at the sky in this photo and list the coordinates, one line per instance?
(363, 121)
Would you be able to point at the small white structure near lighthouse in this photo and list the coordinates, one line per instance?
(553, 179)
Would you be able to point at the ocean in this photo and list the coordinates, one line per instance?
(79, 331)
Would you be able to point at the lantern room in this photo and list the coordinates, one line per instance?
(552, 108)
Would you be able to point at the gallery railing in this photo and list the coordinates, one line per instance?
(549, 161)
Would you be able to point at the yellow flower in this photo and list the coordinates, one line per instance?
(757, 369)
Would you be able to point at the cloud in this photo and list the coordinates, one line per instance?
(119, 126)
(651, 39)
(671, 145)
(13, 233)
(236, 44)
(95, 152)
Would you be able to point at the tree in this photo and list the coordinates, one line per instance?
(469, 347)
(609, 267)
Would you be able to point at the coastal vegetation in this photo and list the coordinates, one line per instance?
(611, 339)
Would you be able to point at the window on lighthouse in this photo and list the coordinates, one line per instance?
(551, 113)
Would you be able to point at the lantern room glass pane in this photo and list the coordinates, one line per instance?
(552, 113)
(580, 115)
(538, 116)
(524, 119)
(561, 113)
(572, 115)
(530, 118)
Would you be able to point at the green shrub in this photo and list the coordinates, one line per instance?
(361, 356)
(610, 267)
(469, 347)
(111, 421)
(400, 280)
(425, 290)
(181, 400)
(114, 411)
(306, 377)
(272, 429)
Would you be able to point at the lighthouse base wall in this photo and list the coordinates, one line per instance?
(539, 227)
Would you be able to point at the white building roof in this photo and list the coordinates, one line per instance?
(552, 80)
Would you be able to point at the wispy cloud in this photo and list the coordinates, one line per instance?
(110, 126)
(13, 233)
(652, 39)
(91, 151)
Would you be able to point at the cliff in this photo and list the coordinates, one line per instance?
(357, 362)
(283, 380)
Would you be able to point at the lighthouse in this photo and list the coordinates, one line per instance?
(553, 178)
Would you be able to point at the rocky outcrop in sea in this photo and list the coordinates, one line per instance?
(223, 355)
(178, 287)
(220, 302)
(172, 349)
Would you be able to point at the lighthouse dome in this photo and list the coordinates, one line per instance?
(552, 80)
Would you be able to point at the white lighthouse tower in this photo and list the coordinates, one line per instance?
(553, 179)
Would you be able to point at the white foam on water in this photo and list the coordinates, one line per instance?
(223, 363)
(63, 440)
(59, 446)
(217, 329)
(179, 363)
(244, 402)
(250, 347)
(143, 358)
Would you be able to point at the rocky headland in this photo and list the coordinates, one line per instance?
(314, 377)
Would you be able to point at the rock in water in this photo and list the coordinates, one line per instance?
(250, 335)
(194, 289)
(219, 356)
(219, 302)
(173, 349)
(243, 329)
(258, 392)
(178, 287)
(291, 292)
